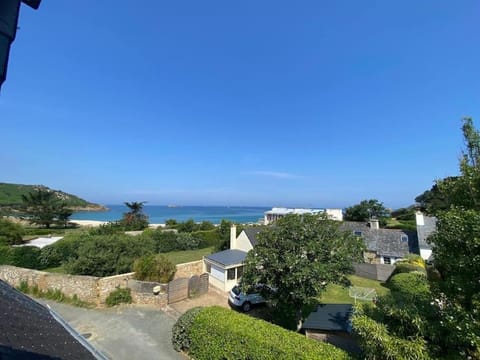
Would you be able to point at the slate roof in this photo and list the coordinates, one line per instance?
(228, 257)
(385, 242)
(28, 330)
(429, 226)
(251, 233)
(330, 317)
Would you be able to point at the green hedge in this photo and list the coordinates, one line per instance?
(207, 238)
(181, 330)
(219, 333)
(404, 267)
(24, 256)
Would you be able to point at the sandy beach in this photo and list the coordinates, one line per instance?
(94, 223)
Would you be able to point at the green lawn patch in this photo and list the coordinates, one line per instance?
(337, 294)
(184, 256)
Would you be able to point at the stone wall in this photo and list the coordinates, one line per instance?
(380, 272)
(87, 288)
(189, 269)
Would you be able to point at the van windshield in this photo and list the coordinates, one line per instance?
(236, 290)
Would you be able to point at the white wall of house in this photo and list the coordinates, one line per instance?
(218, 276)
(391, 260)
(425, 253)
(243, 243)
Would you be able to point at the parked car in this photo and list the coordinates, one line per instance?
(245, 301)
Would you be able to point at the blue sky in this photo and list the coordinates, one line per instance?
(307, 103)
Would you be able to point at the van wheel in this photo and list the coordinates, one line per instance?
(246, 306)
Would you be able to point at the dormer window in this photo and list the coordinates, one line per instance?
(357, 233)
(404, 238)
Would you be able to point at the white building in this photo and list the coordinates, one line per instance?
(277, 213)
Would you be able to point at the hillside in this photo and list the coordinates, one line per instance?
(11, 196)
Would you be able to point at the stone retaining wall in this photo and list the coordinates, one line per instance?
(189, 269)
(87, 288)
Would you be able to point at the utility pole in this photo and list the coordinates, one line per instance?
(9, 10)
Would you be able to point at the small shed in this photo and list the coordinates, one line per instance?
(225, 268)
(332, 323)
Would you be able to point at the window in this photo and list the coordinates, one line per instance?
(404, 238)
(387, 260)
(231, 274)
(357, 233)
(209, 268)
(239, 272)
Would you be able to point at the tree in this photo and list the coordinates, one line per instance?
(135, 219)
(10, 232)
(298, 257)
(366, 210)
(43, 207)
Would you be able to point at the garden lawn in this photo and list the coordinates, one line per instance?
(335, 294)
(184, 256)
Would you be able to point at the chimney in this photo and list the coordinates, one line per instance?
(233, 237)
(374, 223)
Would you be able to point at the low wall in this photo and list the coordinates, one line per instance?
(87, 288)
(380, 272)
(189, 269)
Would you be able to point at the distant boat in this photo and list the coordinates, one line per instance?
(173, 206)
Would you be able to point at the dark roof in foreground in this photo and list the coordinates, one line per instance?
(228, 257)
(330, 317)
(252, 232)
(28, 330)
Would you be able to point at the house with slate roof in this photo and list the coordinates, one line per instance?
(29, 330)
(426, 225)
(225, 268)
(383, 246)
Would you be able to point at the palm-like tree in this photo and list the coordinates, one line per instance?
(135, 219)
(136, 207)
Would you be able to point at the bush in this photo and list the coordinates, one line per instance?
(218, 333)
(186, 241)
(25, 257)
(10, 232)
(207, 238)
(181, 330)
(405, 267)
(105, 255)
(154, 268)
(412, 285)
(165, 240)
(119, 296)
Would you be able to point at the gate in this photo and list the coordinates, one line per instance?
(177, 290)
(198, 285)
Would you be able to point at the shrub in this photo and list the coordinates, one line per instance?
(154, 268)
(10, 232)
(413, 285)
(119, 296)
(165, 240)
(218, 333)
(186, 241)
(207, 238)
(26, 257)
(405, 267)
(181, 330)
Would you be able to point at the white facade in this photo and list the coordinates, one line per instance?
(277, 213)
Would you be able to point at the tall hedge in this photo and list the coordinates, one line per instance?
(219, 333)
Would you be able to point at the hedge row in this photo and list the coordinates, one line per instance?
(219, 333)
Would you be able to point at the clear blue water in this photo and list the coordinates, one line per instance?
(159, 214)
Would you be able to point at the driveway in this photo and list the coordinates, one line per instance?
(212, 297)
(124, 332)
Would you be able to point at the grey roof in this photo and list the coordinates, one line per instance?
(251, 233)
(29, 330)
(330, 317)
(424, 231)
(228, 257)
(385, 242)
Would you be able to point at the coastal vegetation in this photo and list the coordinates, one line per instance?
(435, 316)
(298, 258)
(43, 207)
(218, 333)
(11, 197)
(157, 268)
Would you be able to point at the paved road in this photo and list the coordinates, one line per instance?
(125, 332)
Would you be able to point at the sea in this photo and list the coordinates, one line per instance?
(158, 214)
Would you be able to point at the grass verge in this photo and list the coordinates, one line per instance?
(184, 256)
